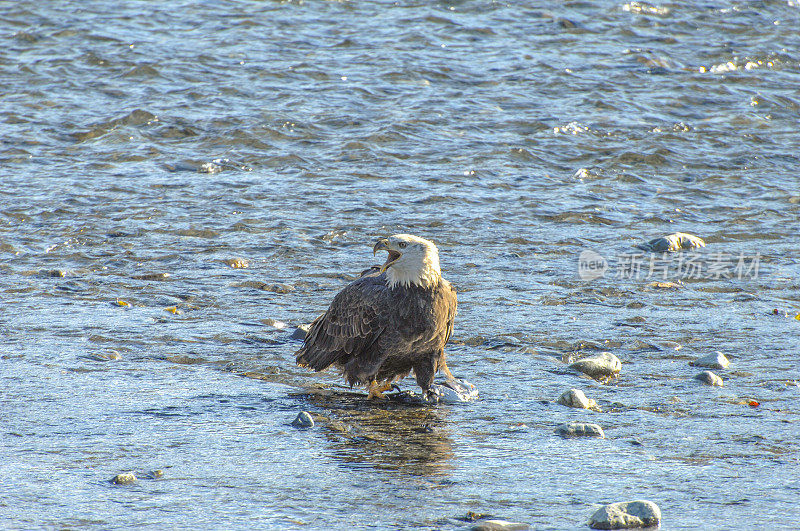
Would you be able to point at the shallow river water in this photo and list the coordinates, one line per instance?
(182, 183)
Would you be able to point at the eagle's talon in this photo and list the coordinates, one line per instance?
(431, 395)
(376, 391)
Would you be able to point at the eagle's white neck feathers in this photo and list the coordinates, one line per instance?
(418, 263)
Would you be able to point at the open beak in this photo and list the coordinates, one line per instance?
(383, 245)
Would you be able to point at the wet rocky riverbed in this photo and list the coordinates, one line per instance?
(183, 184)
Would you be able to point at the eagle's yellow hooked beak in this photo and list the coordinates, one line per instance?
(383, 245)
(380, 245)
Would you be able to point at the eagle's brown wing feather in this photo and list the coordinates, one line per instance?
(350, 328)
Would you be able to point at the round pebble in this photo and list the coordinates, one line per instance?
(577, 399)
(303, 420)
(626, 515)
(717, 360)
(604, 365)
(580, 429)
(708, 377)
(125, 478)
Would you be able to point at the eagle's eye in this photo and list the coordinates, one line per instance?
(402, 245)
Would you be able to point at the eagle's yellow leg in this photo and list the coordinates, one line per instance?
(443, 367)
(376, 390)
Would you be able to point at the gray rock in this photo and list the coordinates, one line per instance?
(303, 420)
(626, 515)
(708, 377)
(301, 331)
(672, 243)
(575, 398)
(498, 525)
(580, 429)
(125, 478)
(604, 365)
(55, 273)
(717, 360)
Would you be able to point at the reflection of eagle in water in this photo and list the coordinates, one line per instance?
(388, 322)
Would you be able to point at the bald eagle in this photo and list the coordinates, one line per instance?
(392, 320)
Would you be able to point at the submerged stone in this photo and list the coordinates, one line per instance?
(498, 525)
(301, 331)
(672, 243)
(575, 398)
(55, 273)
(110, 355)
(152, 276)
(604, 365)
(125, 478)
(708, 377)
(303, 420)
(717, 360)
(580, 429)
(626, 515)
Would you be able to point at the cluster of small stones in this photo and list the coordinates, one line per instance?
(717, 360)
(602, 367)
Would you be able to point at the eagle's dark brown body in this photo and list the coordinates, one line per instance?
(376, 333)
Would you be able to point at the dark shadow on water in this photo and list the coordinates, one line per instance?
(390, 435)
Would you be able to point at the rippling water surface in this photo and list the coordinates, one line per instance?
(182, 183)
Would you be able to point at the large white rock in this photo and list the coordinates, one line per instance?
(672, 243)
(604, 365)
(575, 398)
(580, 429)
(717, 360)
(626, 515)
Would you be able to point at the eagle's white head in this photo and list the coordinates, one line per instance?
(412, 260)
